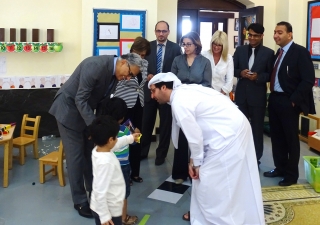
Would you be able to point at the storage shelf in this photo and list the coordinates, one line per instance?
(35, 47)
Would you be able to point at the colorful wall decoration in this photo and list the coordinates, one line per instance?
(313, 30)
(17, 82)
(115, 30)
(31, 47)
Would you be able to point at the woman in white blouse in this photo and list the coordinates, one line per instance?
(221, 63)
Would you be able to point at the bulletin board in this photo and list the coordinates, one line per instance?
(313, 31)
(115, 30)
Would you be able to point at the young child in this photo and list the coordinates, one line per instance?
(108, 188)
(117, 108)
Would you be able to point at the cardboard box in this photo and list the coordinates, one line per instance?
(312, 173)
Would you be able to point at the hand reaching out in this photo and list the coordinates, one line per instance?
(136, 137)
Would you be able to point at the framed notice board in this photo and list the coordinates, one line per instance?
(313, 30)
(115, 30)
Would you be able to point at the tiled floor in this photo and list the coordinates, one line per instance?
(26, 201)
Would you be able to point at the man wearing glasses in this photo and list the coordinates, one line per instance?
(160, 60)
(73, 107)
(253, 67)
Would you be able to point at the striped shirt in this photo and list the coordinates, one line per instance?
(123, 152)
(130, 90)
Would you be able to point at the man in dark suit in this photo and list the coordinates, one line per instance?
(252, 67)
(73, 107)
(291, 85)
(160, 59)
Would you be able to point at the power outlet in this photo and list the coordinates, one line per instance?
(316, 66)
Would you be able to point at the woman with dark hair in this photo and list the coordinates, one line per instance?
(131, 91)
(190, 68)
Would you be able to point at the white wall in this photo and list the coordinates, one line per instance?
(61, 15)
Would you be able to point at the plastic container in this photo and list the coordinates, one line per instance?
(312, 173)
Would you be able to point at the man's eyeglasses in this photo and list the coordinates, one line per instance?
(130, 73)
(161, 31)
(254, 35)
(186, 44)
(216, 45)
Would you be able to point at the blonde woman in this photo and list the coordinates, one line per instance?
(221, 63)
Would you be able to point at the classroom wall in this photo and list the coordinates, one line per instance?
(73, 24)
(61, 15)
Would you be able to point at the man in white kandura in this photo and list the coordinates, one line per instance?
(226, 187)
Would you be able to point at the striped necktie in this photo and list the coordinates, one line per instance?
(159, 58)
(274, 71)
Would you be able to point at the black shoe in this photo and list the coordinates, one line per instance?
(83, 210)
(143, 157)
(273, 173)
(159, 161)
(286, 182)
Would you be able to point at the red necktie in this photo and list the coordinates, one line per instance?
(274, 71)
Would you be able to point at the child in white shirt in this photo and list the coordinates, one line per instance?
(108, 188)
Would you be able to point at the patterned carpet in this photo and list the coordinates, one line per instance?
(296, 204)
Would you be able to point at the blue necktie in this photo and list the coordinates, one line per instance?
(159, 58)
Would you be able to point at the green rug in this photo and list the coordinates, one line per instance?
(297, 204)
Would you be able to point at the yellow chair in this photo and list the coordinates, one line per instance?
(26, 138)
(55, 159)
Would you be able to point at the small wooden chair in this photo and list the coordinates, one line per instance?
(26, 139)
(55, 159)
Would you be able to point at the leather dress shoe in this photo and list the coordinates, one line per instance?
(159, 161)
(286, 182)
(83, 210)
(273, 173)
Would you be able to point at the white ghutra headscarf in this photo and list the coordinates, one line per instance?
(165, 77)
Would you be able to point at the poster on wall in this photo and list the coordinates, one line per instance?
(130, 22)
(108, 51)
(247, 20)
(125, 45)
(115, 30)
(108, 32)
(313, 30)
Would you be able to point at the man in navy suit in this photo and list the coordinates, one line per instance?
(253, 66)
(169, 51)
(291, 85)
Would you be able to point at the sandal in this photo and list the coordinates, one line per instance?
(137, 179)
(186, 216)
(129, 220)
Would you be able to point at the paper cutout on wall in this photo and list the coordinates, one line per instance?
(131, 22)
(33, 82)
(125, 46)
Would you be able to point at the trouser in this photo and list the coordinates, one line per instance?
(256, 116)
(181, 158)
(78, 157)
(148, 120)
(284, 129)
(135, 114)
(116, 220)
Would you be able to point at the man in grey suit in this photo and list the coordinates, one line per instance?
(160, 60)
(73, 107)
(253, 67)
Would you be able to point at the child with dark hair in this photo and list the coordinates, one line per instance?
(117, 108)
(108, 188)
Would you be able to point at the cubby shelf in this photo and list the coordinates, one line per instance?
(35, 47)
